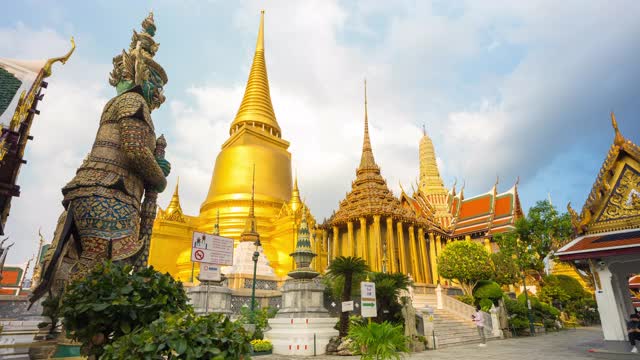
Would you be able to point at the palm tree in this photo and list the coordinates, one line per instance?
(388, 287)
(346, 268)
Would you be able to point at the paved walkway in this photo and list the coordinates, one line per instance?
(568, 344)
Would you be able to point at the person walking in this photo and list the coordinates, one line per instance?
(478, 319)
(633, 329)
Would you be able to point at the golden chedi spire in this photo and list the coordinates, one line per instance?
(430, 180)
(250, 232)
(430, 184)
(173, 212)
(256, 107)
(296, 202)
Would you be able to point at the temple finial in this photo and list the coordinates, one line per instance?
(366, 161)
(424, 129)
(260, 41)
(619, 139)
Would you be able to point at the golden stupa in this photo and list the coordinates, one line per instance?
(255, 138)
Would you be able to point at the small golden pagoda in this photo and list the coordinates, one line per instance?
(372, 223)
(254, 138)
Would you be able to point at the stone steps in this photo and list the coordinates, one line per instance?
(450, 330)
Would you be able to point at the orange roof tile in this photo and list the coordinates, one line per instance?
(504, 205)
(475, 207)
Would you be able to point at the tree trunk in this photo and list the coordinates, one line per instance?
(346, 296)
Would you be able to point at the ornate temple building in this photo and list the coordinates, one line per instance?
(255, 139)
(607, 241)
(406, 234)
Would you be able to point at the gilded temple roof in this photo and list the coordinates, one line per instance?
(614, 201)
(369, 193)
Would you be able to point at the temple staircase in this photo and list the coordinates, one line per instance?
(450, 328)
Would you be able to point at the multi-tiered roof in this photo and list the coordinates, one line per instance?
(369, 193)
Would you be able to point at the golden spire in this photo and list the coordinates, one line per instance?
(250, 232)
(619, 139)
(174, 204)
(366, 161)
(295, 201)
(256, 108)
(430, 180)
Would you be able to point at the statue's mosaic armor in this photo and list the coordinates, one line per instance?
(104, 214)
(104, 197)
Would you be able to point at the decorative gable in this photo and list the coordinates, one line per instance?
(614, 201)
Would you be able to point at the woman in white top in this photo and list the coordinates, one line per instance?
(478, 319)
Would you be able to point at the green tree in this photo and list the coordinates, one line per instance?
(466, 262)
(345, 268)
(506, 271)
(379, 341)
(183, 336)
(113, 300)
(388, 287)
(543, 231)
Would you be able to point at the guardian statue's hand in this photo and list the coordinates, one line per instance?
(164, 165)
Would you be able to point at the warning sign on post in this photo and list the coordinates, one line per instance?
(211, 249)
(368, 299)
(209, 272)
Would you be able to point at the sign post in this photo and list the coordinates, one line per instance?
(211, 251)
(368, 299)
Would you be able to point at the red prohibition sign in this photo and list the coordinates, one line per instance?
(199, 254)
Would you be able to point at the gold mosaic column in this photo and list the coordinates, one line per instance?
(422, 253)
(391, 247)
(377, 243)
(362, 247)
(439, 251)
(350, 248)
(433, 258)
(414, 260)
(487, 245)
(402, 253)
(335, 246)
(467, 237)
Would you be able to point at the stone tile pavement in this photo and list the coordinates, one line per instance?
(565, 345)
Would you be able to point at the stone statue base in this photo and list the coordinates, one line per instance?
(218, 297)
(302, 299)
(302, 326)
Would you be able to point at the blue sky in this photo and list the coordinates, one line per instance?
(505, 89)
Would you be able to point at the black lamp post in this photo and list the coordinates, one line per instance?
(256, 255)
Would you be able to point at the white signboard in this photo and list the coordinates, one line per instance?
(347, 306)
(209, 272)
(211, 249)
(368, 299)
